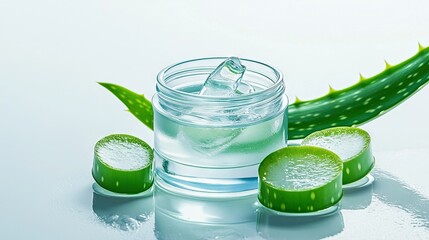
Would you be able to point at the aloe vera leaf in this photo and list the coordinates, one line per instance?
(362, 102)
(352, 106)
(300, 179)
(137, 104)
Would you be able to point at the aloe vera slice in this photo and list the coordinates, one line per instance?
(123, 164)
(351, 144)
(300, 179)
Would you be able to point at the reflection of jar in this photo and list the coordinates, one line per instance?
(180, 216)
(211, 208)
(215, 144)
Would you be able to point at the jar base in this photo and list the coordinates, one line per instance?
(197, 180)
(207, 187)
(204, 190)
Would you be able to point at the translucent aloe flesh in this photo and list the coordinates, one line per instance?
(352, 145)
(352, 106)
(300, 179)
(123, 164)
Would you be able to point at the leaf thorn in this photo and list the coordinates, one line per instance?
(361, 77)
(388, 65)
(331, 89)
(421, 47)
(297, 99)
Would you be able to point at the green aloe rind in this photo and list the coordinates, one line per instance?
(352, 106)
(355, 167)
(129, 181)
(136, 103)
(362, 102)
(292, 164)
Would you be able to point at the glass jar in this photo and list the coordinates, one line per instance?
(211, 143)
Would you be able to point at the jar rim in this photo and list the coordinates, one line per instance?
(161, 77)
(243, 109)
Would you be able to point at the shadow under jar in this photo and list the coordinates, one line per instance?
(215, 144)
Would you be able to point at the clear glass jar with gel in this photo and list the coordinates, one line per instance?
(214, 144)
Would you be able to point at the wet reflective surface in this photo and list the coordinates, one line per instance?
(52, 112)
(387, 208)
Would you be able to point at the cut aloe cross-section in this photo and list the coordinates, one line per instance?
(300, 179)
(123, 164)
(352, 145)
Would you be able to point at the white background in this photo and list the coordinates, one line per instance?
(52, 112)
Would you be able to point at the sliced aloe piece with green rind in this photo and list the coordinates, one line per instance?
(351, 144)
(300, 179)
(123, 164)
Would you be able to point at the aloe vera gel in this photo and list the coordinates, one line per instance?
(351, 144)
(215, 120)
(300, 179)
